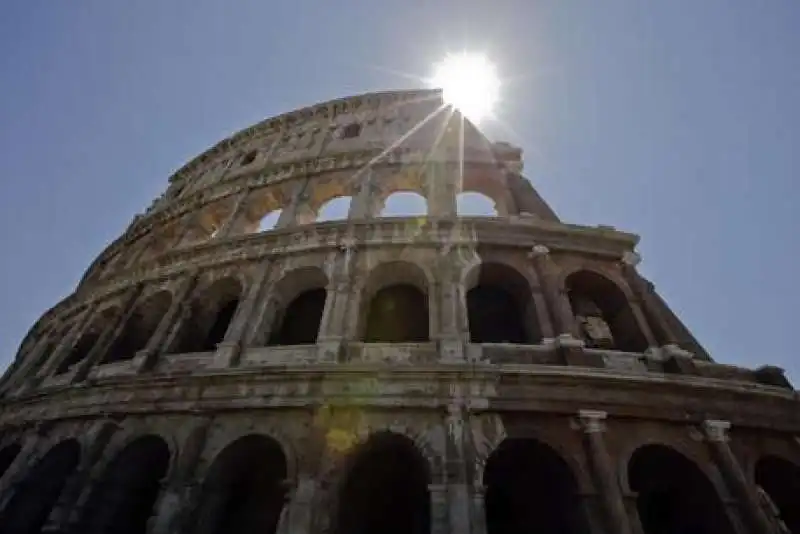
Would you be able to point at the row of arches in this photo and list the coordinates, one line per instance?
(499, 305)
(385, 486)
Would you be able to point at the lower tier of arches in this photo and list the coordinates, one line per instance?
(350, 469)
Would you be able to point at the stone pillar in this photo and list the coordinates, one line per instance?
(109, 336)
(653, 315)
(146, 359)
(332, 329)
(440, 189)
(288, 215)
(603, 472)
(439, 509)
(177, 501)
(227, 227)
(716, 434)
(361, 205)
(478, 517)
(296, 516)
(450, 293)
(557, 299)
(458, 498)
(62, 516)
(229, 351)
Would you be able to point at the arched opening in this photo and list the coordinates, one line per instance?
(674, 495)
(244, 491)
(122, 500)
(398, 314)
(335, 209)
(139, 327)
(351, 130)
(211, 315)
(270, 220)
(248, 158)
(87, 341)
(385, 489)
(530, 488)
(404, 204)
(780, 479)
(500, 307)
(34, 499)
(603, 314)
(7, 456)
(472, 204)
(394, 305)
(299, 323)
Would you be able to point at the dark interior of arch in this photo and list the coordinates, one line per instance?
(244, 492)
(29, 508)
(222, 319)
(385, 489)
(781, 480)
(210, 315)
(397, 314)
(498, 307)
(139, 327)
(675, 497)
(591, 287)
(299, 324)
(7, 455)
(122, 500)
(79, 351)
(530, 488)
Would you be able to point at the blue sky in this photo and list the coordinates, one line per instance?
(675, 120)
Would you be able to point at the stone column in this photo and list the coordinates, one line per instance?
(288, 215)
(227, 227)
(439, 509)
(177, 501)
(360, 206)
(557, 300)
(146, 359)
(603, 472)
(453, 330)
(332, 330)
(62, 514)
(229, 351)
(109, 336)
(478, 517)
(440, 189)
(296, 516)
(458, 498)
(716, 434)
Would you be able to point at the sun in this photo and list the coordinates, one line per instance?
(469, 83)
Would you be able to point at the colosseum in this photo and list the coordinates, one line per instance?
(245, 360)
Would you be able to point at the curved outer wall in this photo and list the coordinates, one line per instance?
(198, 327)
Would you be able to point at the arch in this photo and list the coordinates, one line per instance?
(89, 338)
(335, 209)
(604, 315)
(245, 488)
(7, 456)
(30, 506)
(780, 479)
(210, 317)
(404, 204)
(139, 327)
(207, 222)
(395, 304)
(475, 204)
(270, 220)
(299, 303)
(122, 500)
(674, 495)
(500, 306)
(385, 488)
(530, 488)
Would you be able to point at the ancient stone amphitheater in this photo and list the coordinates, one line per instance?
(247, 359)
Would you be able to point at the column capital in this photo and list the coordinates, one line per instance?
(592, 421)
(716, 430)
(631, 258)
(538, 251)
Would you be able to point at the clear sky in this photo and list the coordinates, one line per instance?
(678, 120)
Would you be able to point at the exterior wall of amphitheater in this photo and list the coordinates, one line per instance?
(105, 367)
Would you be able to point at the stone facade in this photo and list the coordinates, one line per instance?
(435, 373)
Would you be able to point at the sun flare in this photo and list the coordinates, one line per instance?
(469, 83)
